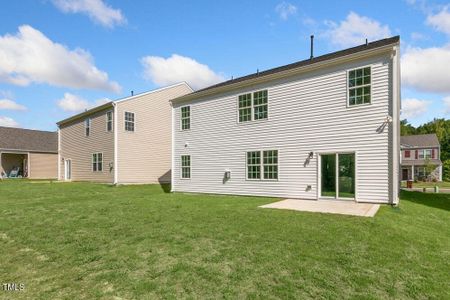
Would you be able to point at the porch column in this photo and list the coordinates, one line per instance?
(412, 172)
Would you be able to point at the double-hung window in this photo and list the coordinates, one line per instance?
(185, 166)
(424, 154)
(129, 121)
(359, 81)
(253, 106)
(185, 118)
(262, 165)
(87, 127)
(97, 162)
(109, 121)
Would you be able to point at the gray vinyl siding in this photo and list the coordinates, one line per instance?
(144, 156)
(306, 113)
(79, 148)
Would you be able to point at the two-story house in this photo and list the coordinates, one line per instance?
(322, 128)
(421, 157)
(123, 141)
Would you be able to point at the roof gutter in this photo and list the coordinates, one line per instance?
(286, 73)
(85, 113)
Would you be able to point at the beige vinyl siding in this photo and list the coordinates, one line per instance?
(43, 165)
(144, 156)
(78, 147)
(307, 113)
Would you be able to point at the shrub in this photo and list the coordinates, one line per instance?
(446, 170)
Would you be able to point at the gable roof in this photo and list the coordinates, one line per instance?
(28, 140)
(297, 65)
(419, 140)
(111, 103)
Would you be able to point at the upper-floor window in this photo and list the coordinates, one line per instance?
(129, 121)
(87, 127)
(185, 166)
(262, 164)
(359, 81)
(97, 162)
(425, 153)
(185, 118)
(109, 121)
(253, 106)
(407, 153)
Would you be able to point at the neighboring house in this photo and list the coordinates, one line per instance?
(326, 127)
(28, 153)
(124, 141)
(421, 157)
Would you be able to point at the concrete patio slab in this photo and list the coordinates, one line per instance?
(327, 206)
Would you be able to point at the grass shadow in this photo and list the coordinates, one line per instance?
(441, 201)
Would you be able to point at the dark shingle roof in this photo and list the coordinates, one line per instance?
(420, 140)
(306, 62)
(28, 140)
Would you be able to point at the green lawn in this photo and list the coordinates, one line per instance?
(442, 185)
(84, 241)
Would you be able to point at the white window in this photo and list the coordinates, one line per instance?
(87, 127)
(185, 166)
(109, 121)
(97, 162)
(425, 153)
(129, 121)
(262, 165)
(185, 118)
(359, 81)
(253, 106)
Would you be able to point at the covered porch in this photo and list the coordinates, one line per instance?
(14, 164)
(421, 170)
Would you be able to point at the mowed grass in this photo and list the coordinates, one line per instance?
(420, 184)
(87, 241)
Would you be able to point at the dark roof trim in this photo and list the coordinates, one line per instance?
(86, 113)
(285, 70)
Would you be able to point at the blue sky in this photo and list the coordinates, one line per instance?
(58, 57)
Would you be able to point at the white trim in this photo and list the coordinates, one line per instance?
(59, 153)
(116, 154)
(261, 166)
(181, 117)
(252, 107)
(125, 121)
(396, 92)
(319, 175)
(112, 120)
(172, 172)
(65, 169)
(97, 162)
(28, 166)
(181, 167)
(364, 85)
(154, 91)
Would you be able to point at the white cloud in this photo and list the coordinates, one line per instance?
(10, 105)
(285, 10)
(447, 105)
(165, 71)
(413, 108)
(74, 103)
(355, 29)
(8, 122)
(97, 10)
(427, 69)
(31, 57)
(440, 21)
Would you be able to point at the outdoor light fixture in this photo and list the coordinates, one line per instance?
(311, 155)
(227, 174)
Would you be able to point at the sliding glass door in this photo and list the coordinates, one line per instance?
(338, 175)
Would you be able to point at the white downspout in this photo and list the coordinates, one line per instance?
(172, 155)
(396, 125)
(59, 154)
(116, 154)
